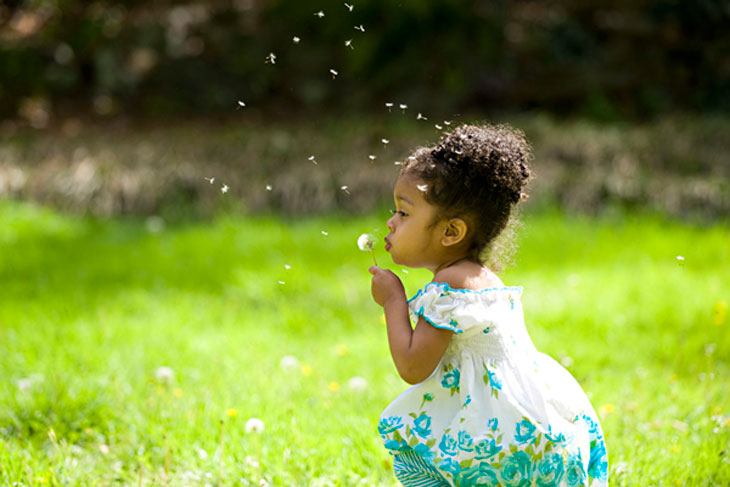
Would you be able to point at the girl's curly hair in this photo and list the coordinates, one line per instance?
(477, 173)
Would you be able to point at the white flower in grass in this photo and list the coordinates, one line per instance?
(289, 362)
(357, 384)
(164, 374)
(254, 425)
(24, 384)
(202, 454)
(252, 462)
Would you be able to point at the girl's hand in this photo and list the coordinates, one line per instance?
(386, 286)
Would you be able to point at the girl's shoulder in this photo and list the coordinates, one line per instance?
(469, 276)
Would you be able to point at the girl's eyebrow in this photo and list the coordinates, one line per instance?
(404, 199)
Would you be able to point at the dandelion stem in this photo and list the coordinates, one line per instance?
(372, 252)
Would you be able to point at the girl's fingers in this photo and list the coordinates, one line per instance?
(373, 269)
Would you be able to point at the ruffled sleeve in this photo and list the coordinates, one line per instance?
(461, 310)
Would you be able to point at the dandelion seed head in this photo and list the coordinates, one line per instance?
(254, 425)
(366, 241)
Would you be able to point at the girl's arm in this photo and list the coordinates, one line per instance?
(416, 352)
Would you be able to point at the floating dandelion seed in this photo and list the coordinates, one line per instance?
(344, 188)
(398, 163)
(439, 127)
(254, 425)
(311, 158)
(447, 123)
(349, 7)
(422, 187)
(324, 233)
(295, 39)
(371, 157)
(319, 14)
(282, 282)
(348, 43)
(224, 188)
(389, 106)
(287, 266)
(271, 58)
(403, 107)
(384, 141)
(334, 73)
(240, 104)
(411, 158)
(360, 28)
(268, 187)
(210, 180)
(365, 242)
(420, 117)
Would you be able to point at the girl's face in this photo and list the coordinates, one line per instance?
(415, 233)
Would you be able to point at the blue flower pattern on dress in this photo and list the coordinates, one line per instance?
(524, 432)
(448, 445)
(479, 445)
(486, 449)
(451, 380)
(422, 425)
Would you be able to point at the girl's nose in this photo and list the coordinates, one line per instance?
(389, 223)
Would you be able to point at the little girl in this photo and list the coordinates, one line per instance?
(487, 409)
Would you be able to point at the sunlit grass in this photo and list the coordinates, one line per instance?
(89, 311)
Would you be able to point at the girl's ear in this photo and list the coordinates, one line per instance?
(455, 231)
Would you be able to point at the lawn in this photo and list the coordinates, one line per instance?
(133, 352)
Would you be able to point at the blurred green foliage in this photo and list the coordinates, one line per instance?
(600, 59)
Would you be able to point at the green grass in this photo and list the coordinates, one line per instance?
(90, 309)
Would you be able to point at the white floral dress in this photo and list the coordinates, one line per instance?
(495, 411)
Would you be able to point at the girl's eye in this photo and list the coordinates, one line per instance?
(398, 212)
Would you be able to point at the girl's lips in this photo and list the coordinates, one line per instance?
(387, 245)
